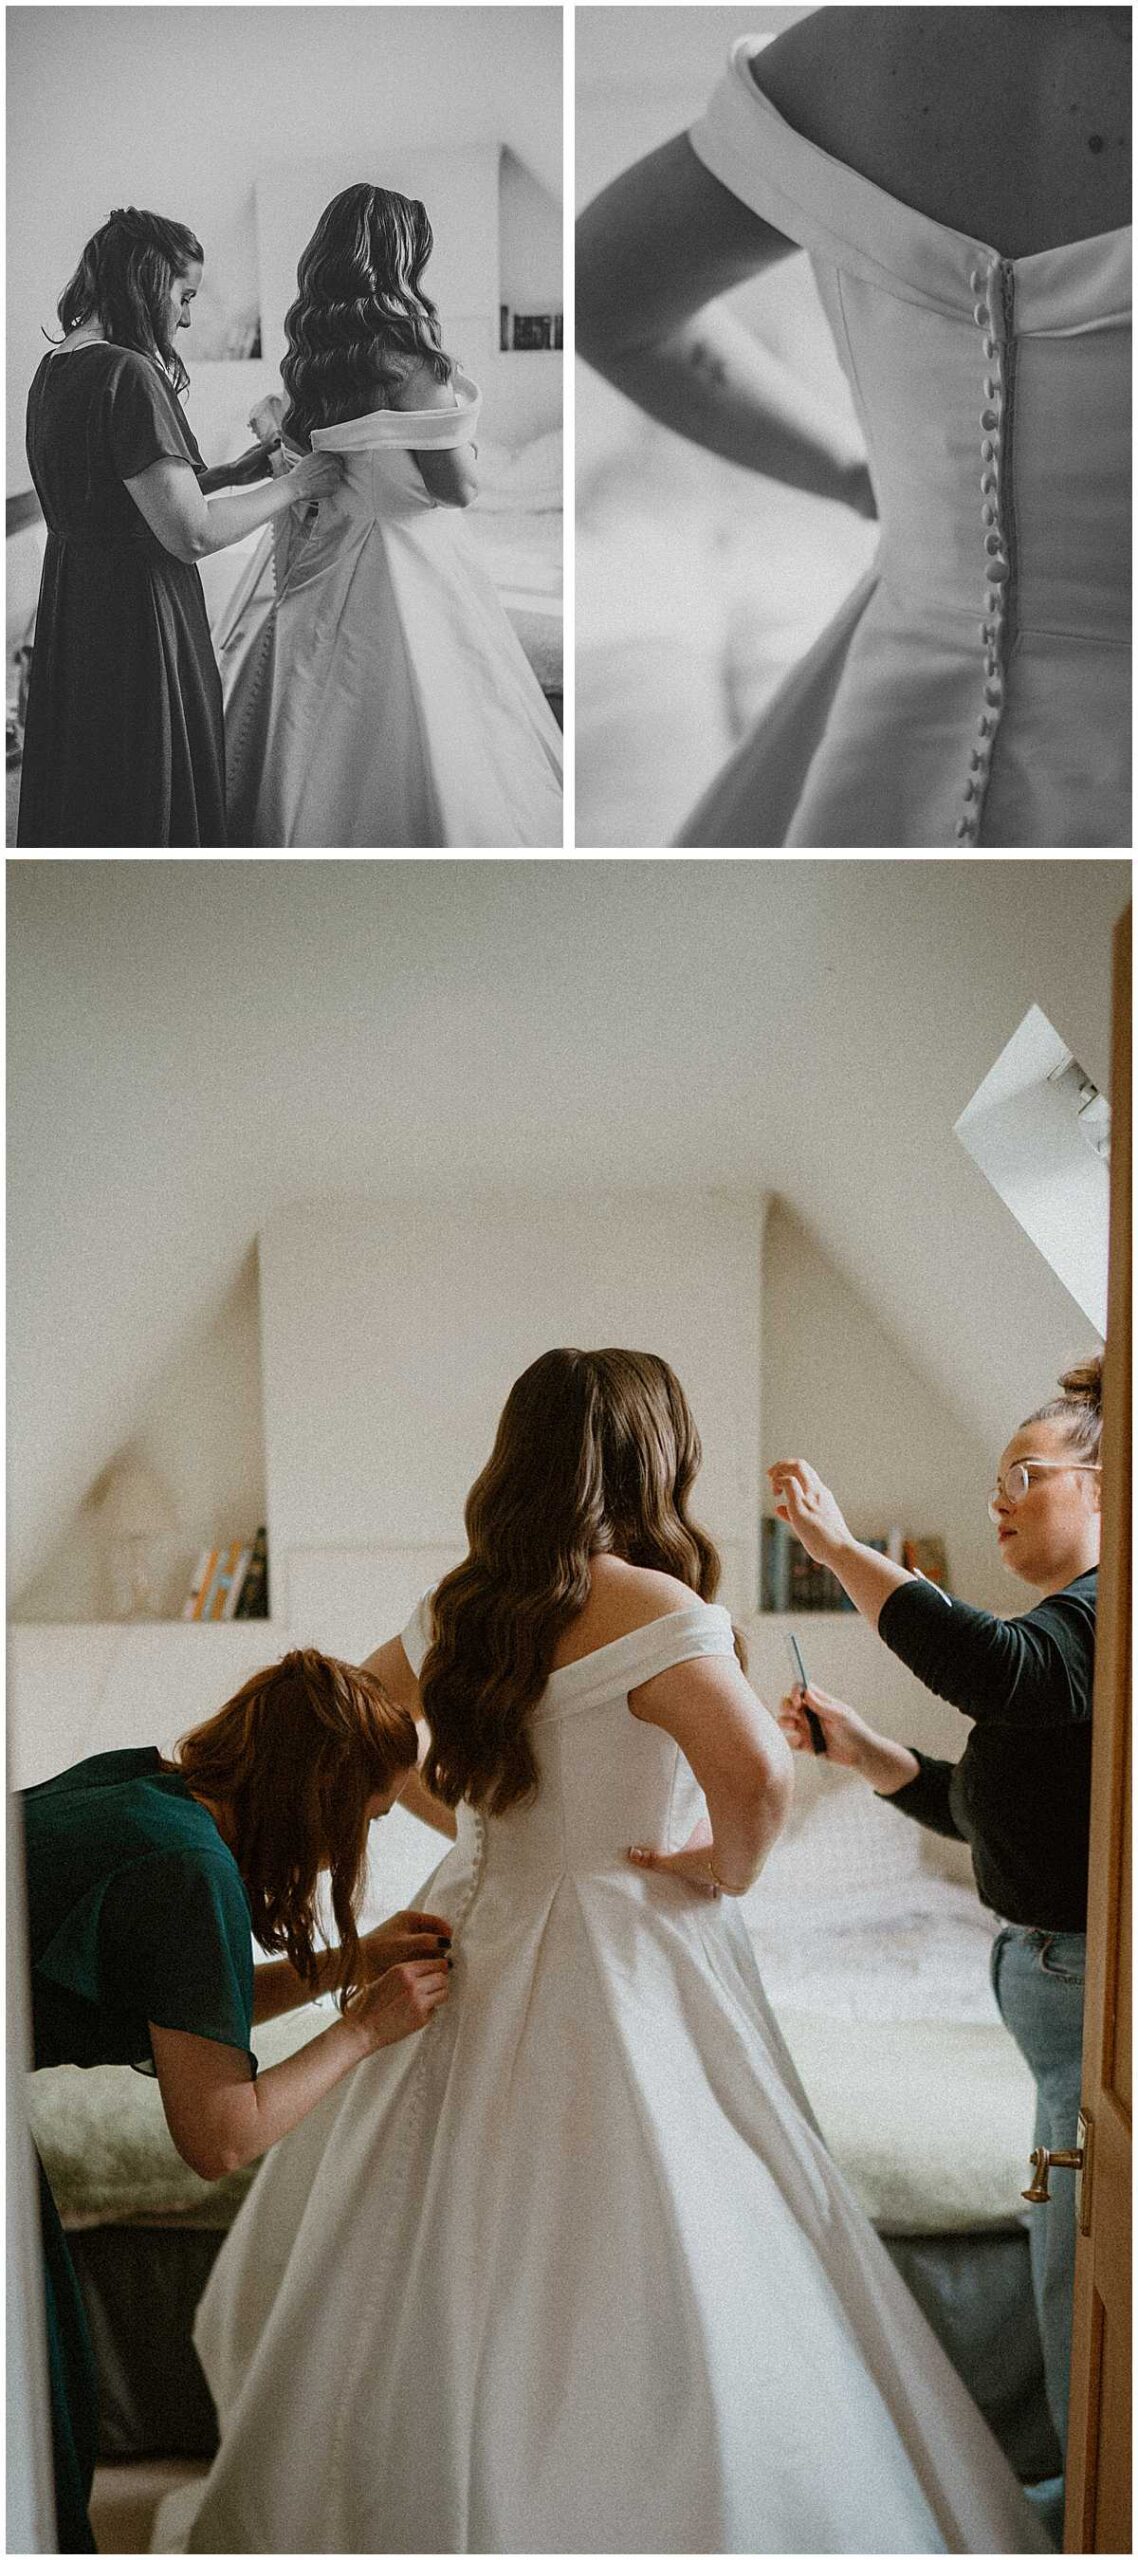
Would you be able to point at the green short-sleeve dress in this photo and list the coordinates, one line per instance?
(136, 1912)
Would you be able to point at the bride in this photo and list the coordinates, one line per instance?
(574, 2271)
(378, 695)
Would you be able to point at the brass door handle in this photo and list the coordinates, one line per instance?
(1044, 2161)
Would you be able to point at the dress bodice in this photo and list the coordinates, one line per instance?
(993, 392)
(986, 648)
(607, 1779)
(380, 476)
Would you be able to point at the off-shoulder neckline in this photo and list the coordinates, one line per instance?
(667, 1618)
(743, 58)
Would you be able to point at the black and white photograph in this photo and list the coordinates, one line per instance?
(568, 1706)
(853, 526)
(284, 427)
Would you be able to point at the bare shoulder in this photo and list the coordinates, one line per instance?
(623, 1597)
(829, 65)
(639, 1589)
(419, 387)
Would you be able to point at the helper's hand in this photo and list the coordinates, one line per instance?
(314, 476)
(689, 1864)
(404, 1999)
(846, 1732)
(801, 1498)
(407, 1935)
(265, 419)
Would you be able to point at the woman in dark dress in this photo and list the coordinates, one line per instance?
(124, 742)
(147, 1880)
(1020, 1792)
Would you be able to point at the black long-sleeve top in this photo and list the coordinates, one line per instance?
(1021, 1793)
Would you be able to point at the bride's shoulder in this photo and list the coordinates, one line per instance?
(829, 59)
(419, 387)
(637, 1593)
(622, 1599)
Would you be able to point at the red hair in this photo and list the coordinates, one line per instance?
(294, 1760)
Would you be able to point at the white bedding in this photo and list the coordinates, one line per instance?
(876, 1964)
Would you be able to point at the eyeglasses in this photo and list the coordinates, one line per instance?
(1017, 1481)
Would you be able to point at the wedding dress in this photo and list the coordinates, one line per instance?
(975, 687)
(572, 2270)
(379, 695)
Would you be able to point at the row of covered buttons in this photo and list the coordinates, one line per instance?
(997, 566)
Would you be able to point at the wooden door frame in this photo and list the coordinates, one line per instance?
(1098, 2499)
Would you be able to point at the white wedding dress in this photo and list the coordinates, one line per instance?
(975, 687)
(572, 2270)
(378, 695)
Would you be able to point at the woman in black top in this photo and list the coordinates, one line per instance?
(123, 742)
(146, 1882)
(1020, 1793)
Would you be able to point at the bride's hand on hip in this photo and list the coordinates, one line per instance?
(859, 492)
(690, 1865)
(406, 1935)
(404, 1999)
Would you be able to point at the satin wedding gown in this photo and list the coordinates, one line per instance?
(379, 695)
(572, 2270)
(975, 687)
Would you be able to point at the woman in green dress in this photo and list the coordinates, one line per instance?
(147, 1880)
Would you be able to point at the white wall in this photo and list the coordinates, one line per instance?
(179, 108)
(838, 1390)
(392, 1333)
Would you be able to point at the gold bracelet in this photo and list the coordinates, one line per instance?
(718, 1882)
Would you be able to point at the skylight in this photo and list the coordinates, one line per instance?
(1039, 1131)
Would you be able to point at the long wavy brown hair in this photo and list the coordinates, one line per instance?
(361, 319)
(596, 1450)
(293, 1760)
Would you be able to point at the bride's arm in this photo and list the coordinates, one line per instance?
(391, 1667)
(740, 1759)
(659, 246)
(450, 478)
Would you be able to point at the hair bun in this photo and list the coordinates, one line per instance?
(1083, 1383)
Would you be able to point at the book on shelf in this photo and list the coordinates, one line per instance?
(252, 1599)
(792, 1581)
(927, 1557)
(219, 1599)
(230, 1582)
(202, 1575)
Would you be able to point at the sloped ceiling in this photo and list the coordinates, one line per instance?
(194, 1044)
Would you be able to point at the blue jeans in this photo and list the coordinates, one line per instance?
(1037, 1977)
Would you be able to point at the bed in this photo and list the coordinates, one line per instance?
(875, 1958)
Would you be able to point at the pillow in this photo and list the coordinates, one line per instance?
(844, 1859)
